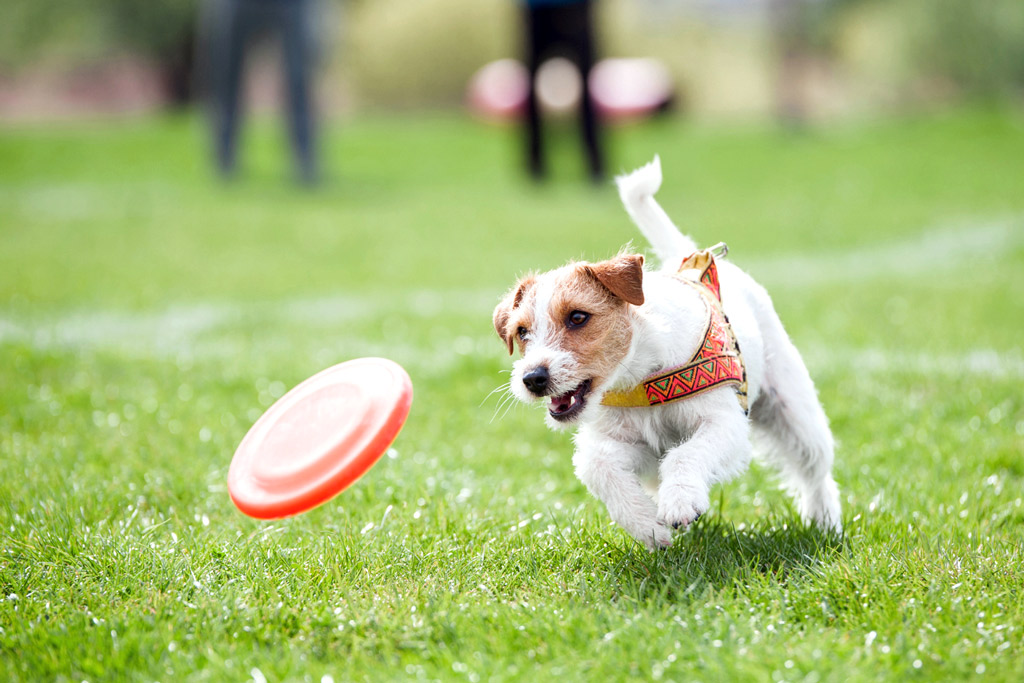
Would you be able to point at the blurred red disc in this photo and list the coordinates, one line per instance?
(319, 438)
(499, 89)
(625, 88)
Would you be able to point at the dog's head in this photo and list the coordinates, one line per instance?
(572, 326)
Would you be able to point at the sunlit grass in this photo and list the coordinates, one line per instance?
(149, 314)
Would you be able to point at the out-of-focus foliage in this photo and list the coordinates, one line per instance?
(48, 30)
(977, 45)
(64, 34)
(404, 52)
(52, 30)
(164, 30)
(155, 27)
(722, 55)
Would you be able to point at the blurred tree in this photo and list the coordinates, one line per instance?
(423, 52)
(38, 30)
(977, 45)
(56, 32)
(165, 31)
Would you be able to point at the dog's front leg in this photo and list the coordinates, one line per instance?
(718, 450)
(610, 470)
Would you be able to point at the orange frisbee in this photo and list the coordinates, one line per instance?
(319, 438)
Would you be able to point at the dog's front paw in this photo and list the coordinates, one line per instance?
(652, 533)
(679, 506)
(657, 536)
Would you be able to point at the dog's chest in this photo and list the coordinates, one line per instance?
(658, 428)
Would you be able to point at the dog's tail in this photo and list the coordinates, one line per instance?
(637, 191)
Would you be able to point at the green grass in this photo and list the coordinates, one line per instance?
(149, 314)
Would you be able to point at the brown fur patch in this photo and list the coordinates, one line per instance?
(601, 343)
(503, 312)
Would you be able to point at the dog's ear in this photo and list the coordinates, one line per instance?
(623, 276)
(503, 311)
(501, 314)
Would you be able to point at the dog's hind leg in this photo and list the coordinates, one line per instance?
(792, 431)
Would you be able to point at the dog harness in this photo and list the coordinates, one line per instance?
(717, 360)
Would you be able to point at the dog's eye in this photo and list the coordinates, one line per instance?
(521, 333)
(577, 319)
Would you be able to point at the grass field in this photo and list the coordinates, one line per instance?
(148, 315)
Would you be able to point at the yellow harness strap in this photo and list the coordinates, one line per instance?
(717, 360)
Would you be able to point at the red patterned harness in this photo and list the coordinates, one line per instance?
(717, 360)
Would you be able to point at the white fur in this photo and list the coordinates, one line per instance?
(689, 445)
(637, 191)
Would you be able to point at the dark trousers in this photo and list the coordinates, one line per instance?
(565, 31)
(236, 24)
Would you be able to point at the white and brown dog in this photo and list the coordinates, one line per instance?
(647, 364)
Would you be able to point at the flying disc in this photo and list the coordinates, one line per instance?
(319, 438)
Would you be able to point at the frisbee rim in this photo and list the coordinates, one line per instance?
(318, 488)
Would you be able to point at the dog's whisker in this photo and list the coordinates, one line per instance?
(507, 409)
(503, 387)
(506, 402)
(503, 401)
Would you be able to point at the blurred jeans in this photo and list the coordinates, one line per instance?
(236, 24)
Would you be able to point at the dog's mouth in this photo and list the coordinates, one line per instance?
(567, 406)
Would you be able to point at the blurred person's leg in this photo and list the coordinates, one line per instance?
(564, 29)
(229, 38)
(583, 46)
(298, 37)
(537, 22)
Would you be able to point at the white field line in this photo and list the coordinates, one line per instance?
(823, 359)
(933, 250)
(216, 330)
(180, 329)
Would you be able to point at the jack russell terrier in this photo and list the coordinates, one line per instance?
(667, 374)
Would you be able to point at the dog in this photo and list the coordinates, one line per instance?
(608, 346)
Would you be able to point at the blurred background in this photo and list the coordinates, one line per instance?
(781, 124)
(725, 58)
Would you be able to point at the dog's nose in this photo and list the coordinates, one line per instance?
(536, 380)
